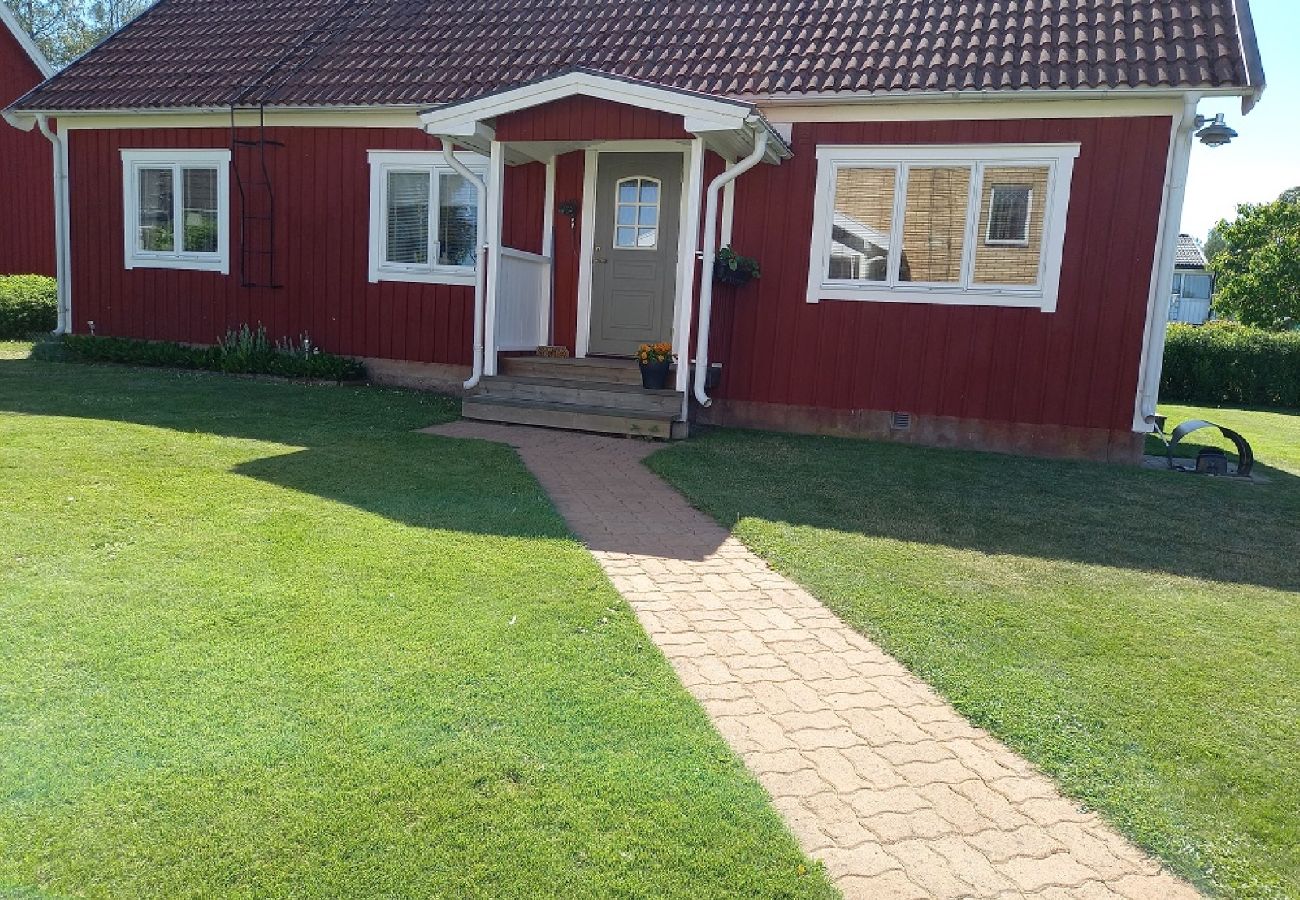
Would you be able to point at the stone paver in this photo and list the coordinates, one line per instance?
(876, 775)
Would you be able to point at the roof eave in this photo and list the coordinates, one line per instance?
(1250, 55)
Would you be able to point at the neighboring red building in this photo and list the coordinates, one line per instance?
(958, 209)
(26, 166)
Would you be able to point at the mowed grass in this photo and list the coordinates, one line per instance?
(261, 639)
(1135, 632)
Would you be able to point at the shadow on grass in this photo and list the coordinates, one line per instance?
(1126, 517)
(357, 445)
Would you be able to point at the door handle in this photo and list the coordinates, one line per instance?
(599, 259)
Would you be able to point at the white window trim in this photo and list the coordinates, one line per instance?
(135, 160)
(1058, 158)
(381, 163)
(989, 239)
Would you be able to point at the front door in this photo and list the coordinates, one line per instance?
(634, 259)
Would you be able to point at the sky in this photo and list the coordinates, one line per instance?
(1265, 160)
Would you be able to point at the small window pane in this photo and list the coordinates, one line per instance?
(408, 218)
(934, 224)
(200, 210)
(637, 204)
(156, 213)
(1011, 222)
(1009, 214)
(1196, 287)
(864, 213)
(457, 221)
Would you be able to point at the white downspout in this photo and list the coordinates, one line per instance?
(62, 262)
(730, 174)
(1153, 357)
(480, 259)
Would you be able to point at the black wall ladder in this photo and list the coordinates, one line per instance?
(256, 196)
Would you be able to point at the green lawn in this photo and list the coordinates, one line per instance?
(1135, 632)
(262, 639)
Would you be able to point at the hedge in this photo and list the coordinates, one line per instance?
(1227, 363)
(28, 305)
(243, 351)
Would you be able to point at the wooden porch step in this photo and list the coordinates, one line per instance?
(630, 398)
(572, 417)
(591, 368)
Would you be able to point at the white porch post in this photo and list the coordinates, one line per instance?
(493, 216)
(687, 247)
(548, 250)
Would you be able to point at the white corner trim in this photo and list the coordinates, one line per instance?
(423, 160)
(1058, 158)
(135, 258)
(1151, 361)
(34, 53)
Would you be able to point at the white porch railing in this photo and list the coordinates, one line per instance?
(523, 300)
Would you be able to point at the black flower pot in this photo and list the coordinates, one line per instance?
(654, 375)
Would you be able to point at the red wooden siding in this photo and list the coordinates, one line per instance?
(569, 170)
(1077, 366)
(26, 174)
(322, 187)
(1074, 367)
(589, 119)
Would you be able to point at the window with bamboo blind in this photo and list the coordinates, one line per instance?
(978, 225)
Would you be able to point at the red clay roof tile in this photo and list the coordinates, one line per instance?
(207, 53)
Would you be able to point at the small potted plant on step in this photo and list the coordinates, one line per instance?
(655, 360)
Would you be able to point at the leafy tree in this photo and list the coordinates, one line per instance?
(64, 29)
(1258, 267)
(1214, 244)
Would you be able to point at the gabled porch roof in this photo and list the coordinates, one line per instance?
(726, 126)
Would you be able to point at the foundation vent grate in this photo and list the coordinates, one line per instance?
(900, 421)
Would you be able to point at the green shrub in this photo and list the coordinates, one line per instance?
(28, 305)
(243, 350)
(1227, 363)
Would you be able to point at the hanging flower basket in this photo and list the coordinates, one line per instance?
(729, 267)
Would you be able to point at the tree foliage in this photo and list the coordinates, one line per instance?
(1258, 264)
(65, 29)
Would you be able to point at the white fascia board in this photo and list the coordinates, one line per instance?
(824, 98)
(716, 111)
(920, 153)
(38, 58)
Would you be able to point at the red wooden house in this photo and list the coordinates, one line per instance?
(958, 208)
(26, 166)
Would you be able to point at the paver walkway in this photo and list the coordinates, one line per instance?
(876, 775)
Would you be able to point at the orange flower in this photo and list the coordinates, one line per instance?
(655, 353)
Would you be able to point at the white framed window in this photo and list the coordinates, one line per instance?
(177, 209)
(636, 213)
(423, 217)
(963, 224)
